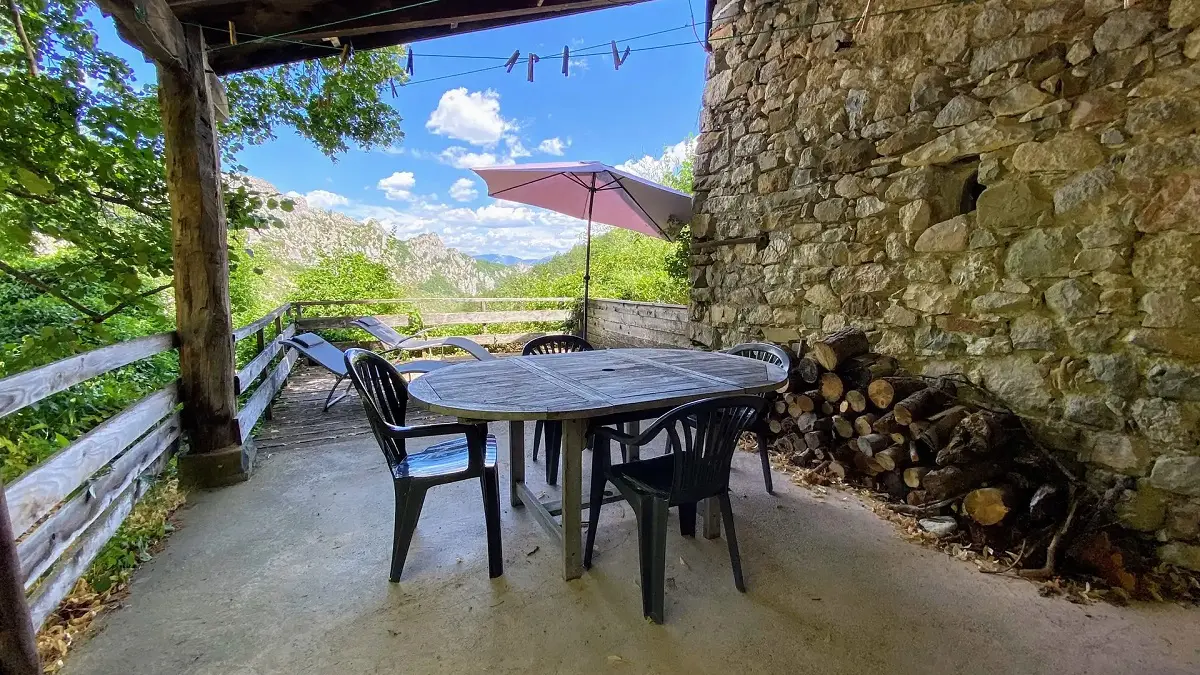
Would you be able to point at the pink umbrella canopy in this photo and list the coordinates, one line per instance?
(582, 189)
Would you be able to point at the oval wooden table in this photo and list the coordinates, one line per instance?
(574, 388)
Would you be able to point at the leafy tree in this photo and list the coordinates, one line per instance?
(81, 150)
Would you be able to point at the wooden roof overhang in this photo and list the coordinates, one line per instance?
(274, 32)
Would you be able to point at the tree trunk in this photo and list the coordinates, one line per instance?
(201, 252)
(989, 506)
(808, 370)
(862, 424)
(831, 387)
(942, 428)
(840, 346)
(892, 458)
(888, 390)
(978, 435)
(953, 480)
(920, 405)
(914, 475)
(873, 443)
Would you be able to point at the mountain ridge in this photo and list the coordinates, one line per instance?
(422, 264)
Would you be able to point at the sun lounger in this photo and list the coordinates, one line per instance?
(318, 351)
(392, 340)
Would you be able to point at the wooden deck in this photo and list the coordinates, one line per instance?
(297, 420)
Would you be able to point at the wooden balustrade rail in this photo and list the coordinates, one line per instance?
(63, 511)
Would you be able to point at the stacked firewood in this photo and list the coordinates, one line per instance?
(856, 415)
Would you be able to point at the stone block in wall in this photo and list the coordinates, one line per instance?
(968, 140)
(947, 236)
(1168, 309)
(1151, 159)
(1183, 555)
(1011, 205)
(1072, 151)
(1174, 207)
(1073, 299)
(1091, 335)
(1083, 189)
(1168, 259)
(1173, 380)
(1143, 509)
(1163, 116)
(1018, 381)
(1178, 474)
(1171, 422)
(1041, 253)
(1124, 29)
(1003, 52)
(1183, 520)
(1030, 331)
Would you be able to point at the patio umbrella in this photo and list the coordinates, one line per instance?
(593, 192)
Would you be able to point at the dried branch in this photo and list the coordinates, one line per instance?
(33, 281)
(30, 53)
(924, 509)
(145, 294)
(1047, 571)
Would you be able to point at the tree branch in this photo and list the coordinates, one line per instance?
(121, 201)
(33, 281)
(30, 52)
(145, 294)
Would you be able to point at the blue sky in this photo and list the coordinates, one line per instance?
(638, 116)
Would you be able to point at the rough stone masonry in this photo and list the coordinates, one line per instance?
(1008, 190)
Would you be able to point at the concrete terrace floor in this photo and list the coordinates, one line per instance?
(288, 574)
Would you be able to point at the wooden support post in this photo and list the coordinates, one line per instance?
(18, 649)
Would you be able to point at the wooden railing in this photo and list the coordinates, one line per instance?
(433, 314)
(65, 509)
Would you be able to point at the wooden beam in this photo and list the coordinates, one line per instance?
(252, 328)
(539, 10)
(151, 27)
(202, 314)
(18, 649)
(251, 55)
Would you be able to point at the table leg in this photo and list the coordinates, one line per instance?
(633, 429)
(710, 516)
(516, 460)
(572, 496)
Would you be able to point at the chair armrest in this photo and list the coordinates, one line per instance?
(425, 430)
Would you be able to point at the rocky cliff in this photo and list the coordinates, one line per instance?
(423, 264)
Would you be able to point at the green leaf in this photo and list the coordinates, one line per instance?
(33, 183)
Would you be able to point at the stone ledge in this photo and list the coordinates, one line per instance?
(231, 465)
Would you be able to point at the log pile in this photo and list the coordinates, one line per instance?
(857, 416)
(954, 456)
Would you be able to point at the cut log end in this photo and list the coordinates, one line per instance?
(988, 506)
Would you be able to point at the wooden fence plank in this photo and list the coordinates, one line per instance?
(54, 588)
(248, 415)
(618, 332)
(656, 323)
(46, 543)
(259, 363)
(252, 328)
(319, 322)
(34, 494)
(23, 389)
(453, 318)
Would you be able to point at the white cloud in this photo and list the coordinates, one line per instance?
(321, 199)
(461, 158)
(554, 146)
(463, 190)
(398, 186)
(515, 147)
(473, 117)
(655, 168)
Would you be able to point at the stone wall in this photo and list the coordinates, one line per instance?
(624, 323)
(1006, 189)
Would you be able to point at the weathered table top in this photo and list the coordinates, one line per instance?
(589, 384)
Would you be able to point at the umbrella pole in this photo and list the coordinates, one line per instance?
(587, 256)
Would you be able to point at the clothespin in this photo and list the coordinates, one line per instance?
(533, 58)
(618, 59)
(566, 60)
(345, 55)
(409, 68)
(392, 81)
(512, 61)
(232, 34)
